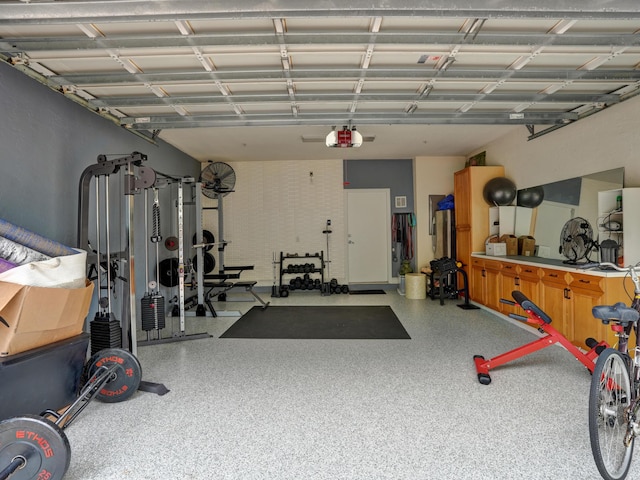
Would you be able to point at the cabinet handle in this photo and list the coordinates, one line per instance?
(528, 271)
(585, 281)
(566, 293)
(553, 275)
(517, 281)
(484, 272)
(508, 267)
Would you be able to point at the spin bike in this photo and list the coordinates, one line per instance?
(614, 396)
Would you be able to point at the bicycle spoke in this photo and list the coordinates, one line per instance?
(608, 415)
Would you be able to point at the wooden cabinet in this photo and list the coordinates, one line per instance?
(554, 293)
(486, 280)
(492, 273)
(523, 278)
(529, 282)
(566, 296)
(477, 282)
(510, 282)
(585, 292)
(472, 213)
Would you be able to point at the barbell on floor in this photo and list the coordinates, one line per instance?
(35, 447)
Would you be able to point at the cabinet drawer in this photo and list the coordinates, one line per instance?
(580, 281)
(551, 276)
(509, 268)
(477, 262)
(528, 272)
(492, 265)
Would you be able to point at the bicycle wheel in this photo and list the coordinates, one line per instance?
(609, 398)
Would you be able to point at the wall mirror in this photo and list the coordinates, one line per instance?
(566, 199)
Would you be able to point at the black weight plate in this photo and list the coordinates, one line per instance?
(208, 238)
(40, 442)
(126, 378)
(168, 274)
(209, 262)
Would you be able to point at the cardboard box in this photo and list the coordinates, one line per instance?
(526, 245)
(496, 249)
(32, 317)
(512, 244)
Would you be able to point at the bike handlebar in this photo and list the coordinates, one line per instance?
(631, 269)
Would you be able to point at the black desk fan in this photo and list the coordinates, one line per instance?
(576, 241)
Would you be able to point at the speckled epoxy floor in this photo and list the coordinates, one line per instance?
(346, 409)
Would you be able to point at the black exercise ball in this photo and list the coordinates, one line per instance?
(530, 197)
(499, 191)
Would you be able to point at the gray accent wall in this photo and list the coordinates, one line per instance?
(47, 141)
(397, 176)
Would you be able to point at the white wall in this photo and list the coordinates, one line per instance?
(606, 140)
(279, 207)
(432, 176)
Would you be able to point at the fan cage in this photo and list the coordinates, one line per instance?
(218, 179)
(576, 240)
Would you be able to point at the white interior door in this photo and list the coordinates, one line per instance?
(368, 235)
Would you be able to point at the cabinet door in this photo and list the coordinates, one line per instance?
(477, 282)
(554, 292)
(493, 283)
(586, 292)
(463, 254)
(462, 194)
(509, 283)
(529, 282)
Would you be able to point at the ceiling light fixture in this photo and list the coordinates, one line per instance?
(345, 138)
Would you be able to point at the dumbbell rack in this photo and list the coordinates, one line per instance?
(290, 265)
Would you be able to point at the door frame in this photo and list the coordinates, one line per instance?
(387, 213)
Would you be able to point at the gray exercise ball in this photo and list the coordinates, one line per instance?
(530, 197)
(499, 191)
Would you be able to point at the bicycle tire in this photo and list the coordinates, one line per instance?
(609, 396)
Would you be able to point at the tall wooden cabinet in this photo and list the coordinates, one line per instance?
(472, 213)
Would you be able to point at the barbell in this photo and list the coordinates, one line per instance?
(35, 447)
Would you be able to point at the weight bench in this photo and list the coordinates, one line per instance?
(539, 319)
(223, 285)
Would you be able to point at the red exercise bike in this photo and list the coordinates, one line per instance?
(542, 322)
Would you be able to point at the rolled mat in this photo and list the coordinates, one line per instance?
(4, 265)
(33, 240)
(18, 254)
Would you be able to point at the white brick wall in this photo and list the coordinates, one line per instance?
(278, 207)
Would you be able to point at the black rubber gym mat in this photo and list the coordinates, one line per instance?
(318, 322)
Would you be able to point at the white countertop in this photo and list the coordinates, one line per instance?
(550, 262)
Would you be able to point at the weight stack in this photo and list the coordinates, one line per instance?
(105, 333)
(153, 312)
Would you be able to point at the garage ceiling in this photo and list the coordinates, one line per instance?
(261, 80)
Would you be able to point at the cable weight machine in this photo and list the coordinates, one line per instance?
(106, 330)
